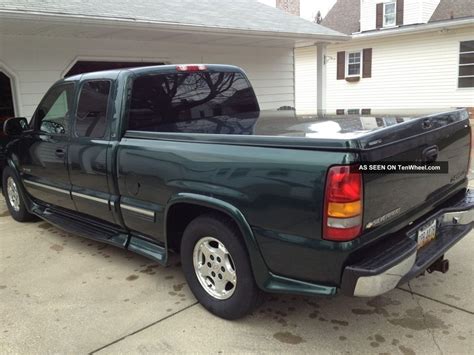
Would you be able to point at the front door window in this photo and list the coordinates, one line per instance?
(52, 115)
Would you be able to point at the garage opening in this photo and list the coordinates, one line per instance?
(7, 108)
(86, 66)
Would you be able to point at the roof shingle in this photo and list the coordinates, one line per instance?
(249, 15)
(453, 9)
(344, 16)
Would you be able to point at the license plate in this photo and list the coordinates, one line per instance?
(426, 234)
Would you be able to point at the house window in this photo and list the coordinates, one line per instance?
(389, 14)
(353, 63)
(466, 65)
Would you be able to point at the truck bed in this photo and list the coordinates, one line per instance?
(388, 198)
(286, 129)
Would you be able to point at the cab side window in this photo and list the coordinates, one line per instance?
(52, 115)
(91, 117)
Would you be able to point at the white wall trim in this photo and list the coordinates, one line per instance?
(14, 82)
(79, 58)
(415, 28)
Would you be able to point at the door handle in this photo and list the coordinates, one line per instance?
(430, 154)
(426, 123)
(60, 153)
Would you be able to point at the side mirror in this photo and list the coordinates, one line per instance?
(15, 126)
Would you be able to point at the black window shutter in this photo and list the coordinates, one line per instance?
(341, 65)
(379, 18)
(400, 6)
(367, 63)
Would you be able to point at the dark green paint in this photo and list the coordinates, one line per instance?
(270, 183)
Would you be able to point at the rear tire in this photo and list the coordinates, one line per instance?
(217, 267)
(13, 197)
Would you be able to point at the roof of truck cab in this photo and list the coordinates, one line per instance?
(154, 69)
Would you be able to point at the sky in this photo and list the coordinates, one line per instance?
(309, 8)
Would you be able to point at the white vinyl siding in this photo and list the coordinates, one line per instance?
(412, 12)
(368, 14)
(305, 80)
(410, 73)
(428, 7)
(40, 61)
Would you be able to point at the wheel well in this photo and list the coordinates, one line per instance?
(181, 214)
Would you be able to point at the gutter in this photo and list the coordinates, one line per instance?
(132, 23)
(416, 28)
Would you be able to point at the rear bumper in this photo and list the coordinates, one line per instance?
(401, 262)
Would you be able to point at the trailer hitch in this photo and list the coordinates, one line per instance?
(441, 265)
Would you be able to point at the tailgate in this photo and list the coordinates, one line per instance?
(388, 196)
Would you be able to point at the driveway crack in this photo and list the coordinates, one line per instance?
(424, 319)
(141, 329)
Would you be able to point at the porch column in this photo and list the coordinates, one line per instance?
(321, 78)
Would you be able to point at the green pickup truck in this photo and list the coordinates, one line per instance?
(180, 158)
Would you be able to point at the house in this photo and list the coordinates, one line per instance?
(404, 57)
(43, 41)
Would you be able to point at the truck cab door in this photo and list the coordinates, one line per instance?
(89, 152)
(43, 159)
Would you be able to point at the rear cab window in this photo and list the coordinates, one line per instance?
(193, 102)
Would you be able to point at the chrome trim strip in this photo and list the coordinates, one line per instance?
(92, 198)
(370, 286)
(29, 182)
(139, 210)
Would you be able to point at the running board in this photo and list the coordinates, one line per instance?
(147, 249)
(101, 233)
(83, 228)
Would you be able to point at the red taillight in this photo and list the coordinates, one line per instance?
(191, 67)
(343, 203)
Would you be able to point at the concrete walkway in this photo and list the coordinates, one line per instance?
(63, 294)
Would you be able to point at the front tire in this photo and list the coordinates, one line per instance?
(217, 267)
(15, 203)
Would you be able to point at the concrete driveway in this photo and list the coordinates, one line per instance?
(63, 294)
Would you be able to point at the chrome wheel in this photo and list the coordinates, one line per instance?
(214, 268)
(13, 195)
